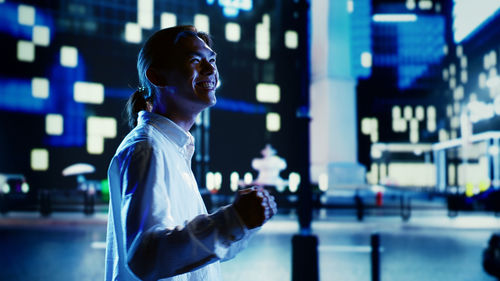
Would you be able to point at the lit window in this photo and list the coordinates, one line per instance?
(41, 35)
(366, 126)
(492, 74)
(40, 87)
(366, 59)
(453, 83)
(403, 125)
(26, 15)
(460, 50)
(463, 62)
(431, 125)
(482, 80)
(39, 159)
(99, 128)
(373, 175)
(268, 93)
(235, 179)
(396, 112)
(410, 4)
(293, 182)
(394, 18)
(453, 69)
(133, 33)
(263, 38)
(217, 180)
(248, 178)
(425, 4)
(413, 125)
(350, 6)
(291, 39)
(25, 51)
(145, 12)
(408, 112)
(419, 113)
(233, 32)
(95, 144)
(168, 20)
(493, 58)
(273, 122)
(445, 74)
(202, 22)
(210, 181)
(54, 124)
(69, 56)
(87, 92)
(375, 153)
(323, 182)
(431, 112)
(463, 76)
(374, 136)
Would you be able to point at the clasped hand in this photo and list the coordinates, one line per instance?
(255, 206)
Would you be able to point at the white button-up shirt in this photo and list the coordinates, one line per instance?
(158, 225)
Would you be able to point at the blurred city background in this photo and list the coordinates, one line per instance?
(387, 110)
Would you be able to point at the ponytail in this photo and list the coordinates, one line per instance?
(136, 102)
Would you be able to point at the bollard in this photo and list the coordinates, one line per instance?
(305, 258)
(359, 207)
(375, 243)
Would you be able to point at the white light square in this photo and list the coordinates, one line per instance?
(350, 6)
(101, 126)
(40, 87)
(145, 13)
(69, 56)
(54, 124)
(88, 92)
(39, 159)
(26, 15)
(202, 22)
(366, 59)
(268, 93)
(41, 35)
(273, 122)
(133, 33)
(25, 51)
(291, 39)
(262, 42)
(168, 20)
(233, 32)
(95, 144)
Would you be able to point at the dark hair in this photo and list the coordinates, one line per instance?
(157, 52)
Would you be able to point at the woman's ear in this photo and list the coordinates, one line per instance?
(155, 77)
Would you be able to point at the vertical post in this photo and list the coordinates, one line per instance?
(375, 244)
(304, 244)
(496, 164)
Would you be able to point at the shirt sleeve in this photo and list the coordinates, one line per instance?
(155, 247)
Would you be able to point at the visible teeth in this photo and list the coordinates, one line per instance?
(207, 85)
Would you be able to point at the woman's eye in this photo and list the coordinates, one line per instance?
(195, 60)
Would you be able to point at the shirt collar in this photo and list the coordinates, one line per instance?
(167, 127)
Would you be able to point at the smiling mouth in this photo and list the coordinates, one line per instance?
(208, 85)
